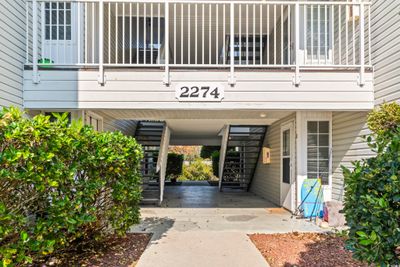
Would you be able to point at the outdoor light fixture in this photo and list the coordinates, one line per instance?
(263, 115)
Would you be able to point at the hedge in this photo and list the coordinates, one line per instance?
(372, 195)
(62, 185)
(174, 165)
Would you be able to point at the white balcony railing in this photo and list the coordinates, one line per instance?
(192, 34)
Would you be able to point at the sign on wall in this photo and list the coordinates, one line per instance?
(199, 92)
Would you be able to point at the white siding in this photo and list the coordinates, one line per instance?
(12, 51)
(145, 90)
(266, 181)
(386, 50)
(348, 130)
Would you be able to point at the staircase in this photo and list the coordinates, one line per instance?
(243, 151)
(149, 134)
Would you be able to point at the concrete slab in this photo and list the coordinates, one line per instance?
(199, 226)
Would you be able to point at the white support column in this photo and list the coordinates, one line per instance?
(362, 45)
(35, 48)
(232, 79)
(297, 52)
(166, 48)
(101, 43)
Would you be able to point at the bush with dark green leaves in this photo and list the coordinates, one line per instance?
(197, 170)
(372, 196)
(174, 165)
(207, 151)
(62, 185)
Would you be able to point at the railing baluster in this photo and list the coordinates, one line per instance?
(42, 30)
(224, 35)
(319, 34)
(274, 34)
(297, 36)
(137, 31)
(362, 46)
(247, 34)
(93, 33)
(166, 75)
(151, 33)
(101, 43)
(35, 43)
(144, 33)
(354, 34)
(79, 33)
(340, 34)
(123, 33)
(261, 33)
(175, 22)
(232, 40)
(369, 36)
(216, 35)
(195, 33)
(326, 36)
(312, 33)
(305, 16)
(130, 33)
(181, 20)
(289, 34)
(202, 35)
(240, 36)
(86, 50)
(209, 34)
(27, 23)
(116, 34)
(189, 39)
(282, 41)
(332, 41)
(109, 32)
(254, 34)
(268, 35)
(65, 33)
(158, 33)
(347, 35)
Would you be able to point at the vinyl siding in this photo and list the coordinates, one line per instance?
(386, 50)
(12, 51)
(266, 182)
(348, 145)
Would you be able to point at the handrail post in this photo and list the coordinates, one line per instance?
(35, 43)
(297, 52)
(362, 45)
(101, 79)
(166, 74)
(232, 79)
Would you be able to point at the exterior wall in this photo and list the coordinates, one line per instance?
(348, 129)
(386, 50)
(145, 90)
(12, 51)
(267, 178)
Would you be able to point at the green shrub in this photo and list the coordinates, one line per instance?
(174, 165)
(385, 118)
(62, 185)
(215, 163)
(207, 151)
(198, 170)
(372, 196)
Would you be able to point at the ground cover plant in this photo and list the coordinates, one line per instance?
(62, 186)
(372, 196)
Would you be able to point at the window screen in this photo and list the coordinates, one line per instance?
(318, 150)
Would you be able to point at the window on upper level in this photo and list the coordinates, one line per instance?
(57, 21)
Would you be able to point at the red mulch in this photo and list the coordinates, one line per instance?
(115, 251)
(304, 249)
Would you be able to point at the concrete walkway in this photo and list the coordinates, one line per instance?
(199, 226)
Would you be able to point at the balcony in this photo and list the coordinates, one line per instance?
(298, 38)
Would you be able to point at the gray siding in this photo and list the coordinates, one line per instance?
(12, 51)
(348, 130)
(266, 182)
(386, 50)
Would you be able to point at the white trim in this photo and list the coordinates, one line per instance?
(288, 125)
(302, 118)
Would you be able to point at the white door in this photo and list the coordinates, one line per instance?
(288, 166)
(59, 28)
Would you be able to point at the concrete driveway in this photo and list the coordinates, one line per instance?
(199, 226)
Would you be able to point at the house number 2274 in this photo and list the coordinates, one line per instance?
(199, 92)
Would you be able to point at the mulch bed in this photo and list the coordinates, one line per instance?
(304, 249)
(114, 251)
